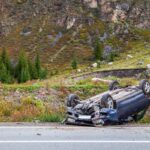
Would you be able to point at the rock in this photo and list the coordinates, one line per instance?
(40, 30)
(125, 6)
(140, 62)
(94, 65)
(37, 121)
(26, 31)
(147, 46)
(91, 3)
(49, 36)
(148, 66)
(107, 50)
(78, 70)
(110, 63)
(70, 23)
(95, 79)
(39, 134)
(104, 37)
(57, 38)
(129, 56)
(126, 31)
(21, 1)
(101, 80)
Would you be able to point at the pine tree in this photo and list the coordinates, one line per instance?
(74, 63)
(22, 70)
(37, 66)
(6, 60)
(5, 68)
(98, 51)
(5, 76)
(32, 70)
(43, 74)
(111, 57)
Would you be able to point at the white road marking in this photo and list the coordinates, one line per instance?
(74, 141)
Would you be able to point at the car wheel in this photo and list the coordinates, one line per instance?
(145, 86)
(72, 100)
(107, 102)
(114, 85)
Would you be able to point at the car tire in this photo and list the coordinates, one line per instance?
(108, 102)
(72, 100)
(145, 86)
(114, 85)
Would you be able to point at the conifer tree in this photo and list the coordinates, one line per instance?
(5, 76)
(37, 66)
(22, 70)
(98, 51)
(32, 70)
(74, 63)
(6, 60)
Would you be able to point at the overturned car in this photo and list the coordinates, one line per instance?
(116, 106)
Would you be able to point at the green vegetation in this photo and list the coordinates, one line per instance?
(74, 63)
(98, 51)
(51, 118)
(5, 68)
(146, 119)
(24, 71)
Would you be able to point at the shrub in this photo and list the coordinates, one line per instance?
(27, 101)
(6, 108)
(26, 113)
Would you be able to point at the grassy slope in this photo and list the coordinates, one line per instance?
(140, 52)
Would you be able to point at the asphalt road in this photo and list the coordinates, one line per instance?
(74, 138)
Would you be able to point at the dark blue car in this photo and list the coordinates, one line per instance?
(116, 106)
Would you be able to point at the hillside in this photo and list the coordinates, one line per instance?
(60, 29)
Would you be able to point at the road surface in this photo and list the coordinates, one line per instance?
(56, 137)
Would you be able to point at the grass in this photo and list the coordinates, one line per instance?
(50, 118)
(145, 120)
(21, 87)
(139, 53)
(139, 50)
(30, 109)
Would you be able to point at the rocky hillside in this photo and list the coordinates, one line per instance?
(59, 29)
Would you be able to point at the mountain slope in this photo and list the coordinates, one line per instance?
(60, 29)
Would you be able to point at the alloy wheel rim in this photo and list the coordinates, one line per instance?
(110, 103)
(147, 87)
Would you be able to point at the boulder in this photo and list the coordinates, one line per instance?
(94, 65)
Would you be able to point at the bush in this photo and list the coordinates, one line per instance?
(112, 56)
(6, 108)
